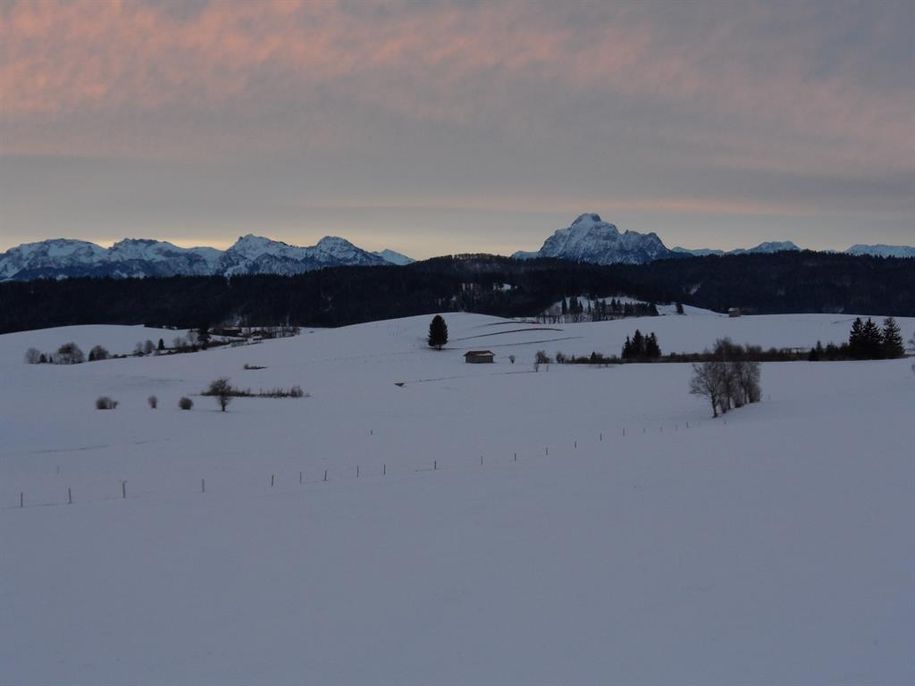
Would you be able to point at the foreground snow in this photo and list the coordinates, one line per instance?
(774, 548)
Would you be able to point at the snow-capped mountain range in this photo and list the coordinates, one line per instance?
(588, 239)
(137, 257)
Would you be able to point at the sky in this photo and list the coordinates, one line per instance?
(448, 126)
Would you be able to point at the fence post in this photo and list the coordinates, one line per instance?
(624, 430)
(481, 460)
(434, 465)
(601, 436)
(272, 480)
(203, 485)
(546, 450)
(300, 478)
(21, 499)
(69, 496)
(123, 489)
(384, 469)
(357, 471)
(325, 475)
(516, 457)
(575, 444)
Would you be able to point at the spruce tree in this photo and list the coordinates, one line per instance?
(856, 339)
(438, 332)
(638, 345)
(892, 339)
(872, 340)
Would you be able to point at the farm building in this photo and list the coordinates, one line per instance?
(479, 356)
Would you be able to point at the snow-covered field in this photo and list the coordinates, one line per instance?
(614, 533)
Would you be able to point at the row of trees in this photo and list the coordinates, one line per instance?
(595, 310)
(866, 341)
(71, 353)
(729, 379)
(68, 353)
(641, 347)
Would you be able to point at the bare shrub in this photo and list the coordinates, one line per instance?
(69, 353)
(185, 403)
(153, 402)
(98, 352)
(296, 392)
(32, 356)
(105, 403)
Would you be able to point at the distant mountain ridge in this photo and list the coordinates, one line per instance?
(138, 257)
(588, 239)
(591, 240)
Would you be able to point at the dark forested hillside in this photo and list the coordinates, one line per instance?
(783, 282)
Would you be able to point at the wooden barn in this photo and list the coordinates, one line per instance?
(479, 357)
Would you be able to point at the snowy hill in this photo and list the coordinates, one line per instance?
(61, 258)
(478, 523)
(590, 239)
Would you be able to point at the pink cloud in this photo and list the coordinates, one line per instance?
(445, 63)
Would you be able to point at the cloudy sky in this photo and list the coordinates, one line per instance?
(446, 126)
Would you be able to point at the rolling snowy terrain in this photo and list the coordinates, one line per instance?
(478, 523)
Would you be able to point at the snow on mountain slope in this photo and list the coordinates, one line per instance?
(36, 259)
(768, 549)
(882, 250)
(394, 257)
(768, 247)
(148, 258)
(589, 239)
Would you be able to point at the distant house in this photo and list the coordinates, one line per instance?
(479, 357)
(733, 311)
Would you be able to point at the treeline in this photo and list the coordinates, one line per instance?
(866, 341)
(595, 309)
(784, 282)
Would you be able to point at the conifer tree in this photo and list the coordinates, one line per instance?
(638, 345)
(856, 339)
(438, 332)
(892, 339)
(652, 349)
(872, 340)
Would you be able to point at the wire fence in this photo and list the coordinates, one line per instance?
(101, 490)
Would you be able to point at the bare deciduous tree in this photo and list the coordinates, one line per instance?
(729, 380)
(222, 390)
(98, 352)
(69, 353)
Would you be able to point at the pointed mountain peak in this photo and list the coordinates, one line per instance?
(587, 219)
